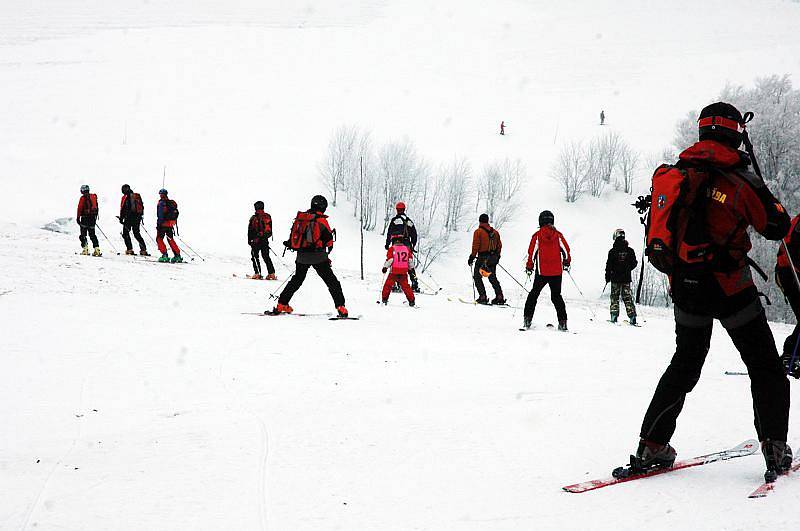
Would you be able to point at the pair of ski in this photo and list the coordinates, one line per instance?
(746, 448)
(330, 316)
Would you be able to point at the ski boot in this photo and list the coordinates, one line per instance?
(144, 252)
(649, 455)
(411, 304)
(129, 252)
(794, 370)
(526, 323)
(272, 276)
(280, 308)
(384, 301)
(482, 300)
(97, 252)
(562, 326)
(342, 311)
(85, 251)
(164, 258)
(256, 277)
(177, 259)
(633, 321)
(614, 317)
(498, 300)
(778, 457)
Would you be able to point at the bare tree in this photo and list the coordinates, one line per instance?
(609, 148)
(498, 189)
(340, 160)
(456, 180)
(570, 171)
(628, 168)
(399, 166)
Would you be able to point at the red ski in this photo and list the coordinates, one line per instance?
(766, 488)
(746, 448)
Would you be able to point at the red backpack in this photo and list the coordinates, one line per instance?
(137, 205)
(306, 233)
(676, 231)
(262, 224)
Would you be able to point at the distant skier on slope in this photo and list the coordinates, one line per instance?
(602, 117)
(486, 249)
(550, 253)
(88, 211)
(503, 128)
(131, 211)
(619, 264)
(787, 281)
(311, 236)
(259, 231)
(710, 278)
(402, 225)
(167, 220)
(398, 259)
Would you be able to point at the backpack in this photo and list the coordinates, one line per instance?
(137, 205)
(89, 207)
(262, 225)
(492, 247)
(676, 231)
(171, 210)
(305, 233)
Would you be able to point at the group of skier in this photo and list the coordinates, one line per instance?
(131, 214)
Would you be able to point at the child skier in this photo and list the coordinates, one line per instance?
(87, 220)
(398, 258)
(621, 261)
(167, 213)
(259, 231)
(552, 256)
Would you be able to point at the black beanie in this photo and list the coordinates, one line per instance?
(483, 218)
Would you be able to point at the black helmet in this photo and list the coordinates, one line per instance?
(84, 188)
(259, 205)
(721, 122)
(126, 189)
(483, 218)
(163, 191)
(546, 218)
(619, 233)
(319, 203)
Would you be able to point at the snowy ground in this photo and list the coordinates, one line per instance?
(145, 396)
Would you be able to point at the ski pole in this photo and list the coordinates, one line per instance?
(106, 237)
(797, 285)
(149, 236)
(512, 278)
(604, 290)
(279, 258)
(472, 281)
(190, 248)
(272, 295)
(594, 315)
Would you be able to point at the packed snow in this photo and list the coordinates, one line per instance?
(138, 395)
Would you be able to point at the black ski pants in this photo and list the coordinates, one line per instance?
(133, 224)
(539, 282)
(88, 229)
(262, 248)
(788, 285)
(753, 339)
(489, 264)
(327, 275)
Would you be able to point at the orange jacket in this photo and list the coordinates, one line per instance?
(481, 242)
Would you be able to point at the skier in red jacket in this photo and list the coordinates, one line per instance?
(550, 251)
(398, 263)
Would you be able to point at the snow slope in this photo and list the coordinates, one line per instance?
(151, 400)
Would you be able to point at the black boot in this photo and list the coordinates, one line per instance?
(778, 457)
(562, 325)
(649, 455)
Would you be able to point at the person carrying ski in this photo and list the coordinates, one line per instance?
(710, 278)
(787, 280)
(131, 210)
(259, 231)
(549, 255)
(88, 210)
(398, 259)
(167, 220)
(311, 236)
(485, 255)
(402, 225)
(621, 261)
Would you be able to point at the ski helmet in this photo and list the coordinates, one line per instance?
(163, 191)
(483, 218)
(259, 205)
(721, 122)
(126, 189)
(619, 233)
(546, 218)
(84, 188)
(319, 203)
(400, 206)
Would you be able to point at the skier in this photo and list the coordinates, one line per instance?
(88, 211)
(503, 128)
(486, 249)
(311, 236)
(398, 258)
(167, 214)
(716, 284)
(787, 281)
(403, 225)
(550, 251)
(131, 210)
(259, 231)
(621, 261)
(602, 118)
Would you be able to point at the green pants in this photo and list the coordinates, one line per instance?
(624, 289)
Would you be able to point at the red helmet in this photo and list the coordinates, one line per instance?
(400, 206)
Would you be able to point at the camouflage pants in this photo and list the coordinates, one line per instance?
(624, 289)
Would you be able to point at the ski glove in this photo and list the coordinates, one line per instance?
(471, 260)
(383, 270)
(566, 267)
(528, 271)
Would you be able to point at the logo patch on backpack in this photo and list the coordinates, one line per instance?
(662, 201)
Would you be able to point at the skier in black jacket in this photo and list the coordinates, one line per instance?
(621, 261)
